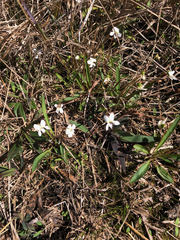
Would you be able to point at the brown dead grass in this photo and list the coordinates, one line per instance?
(97, 197)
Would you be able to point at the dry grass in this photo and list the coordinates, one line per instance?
(81, 190)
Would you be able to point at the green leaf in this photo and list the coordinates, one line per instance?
(175, 157)
(117, 78)
(39, 223)
(164, 158)
(32, 104)
(176, 227)
(88, 79)
(168, 133)
(59, 77)
(140, 148)
(170, 158)
(45, 114)
(13, 86)
(14, 151)
(16, 106)
(80, 126)
(39, 158)
(71, 98)
(149, 3)
(37, 138)
(37, 233)
(164, 174)
(21, 111)
(126, 137)
(140, 172)
(5, 172)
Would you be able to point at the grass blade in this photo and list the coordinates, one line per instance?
(88, 78)
(5, 172)
(16, 106)
(21, 111)
(45, 114)
(67, 99)
(14, 151)
(168, 133)
(176, 227)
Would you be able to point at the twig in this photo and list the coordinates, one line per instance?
(29, 16)
(86, 18)
(136, 231)
(141, 5)
(92, 164)
(14, 72)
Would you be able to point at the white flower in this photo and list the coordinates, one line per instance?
(91, 62)
(77, 57)
(171, 75)
(107, 80)
(70, 130)
(41, 128)
(143, 76)
(38, 53)
(115, 32)
(59, 109)
(110, 121)
(162, 123)
(78, 1)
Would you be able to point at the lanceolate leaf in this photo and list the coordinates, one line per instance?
(5, 172)
(14, 151)
(176, 227)
(45, 114)
(38, 159)
(16, 106)
(126, 137)
(88, 78)
(164, 174)
(21, 111)
(140, 148)
(67, 99)
(140, 172)
(117, 78)
(168, 133)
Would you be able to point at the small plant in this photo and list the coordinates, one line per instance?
(154, 154)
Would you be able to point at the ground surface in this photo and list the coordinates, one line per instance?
(81, 187)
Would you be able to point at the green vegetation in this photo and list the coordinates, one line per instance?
(89, 120)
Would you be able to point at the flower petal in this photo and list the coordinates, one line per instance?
(37, 127)
(116, 122)
(107, 127)
(106, 118)
(70, 135)
(111, 117)
(43, 124)
(39, 133)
